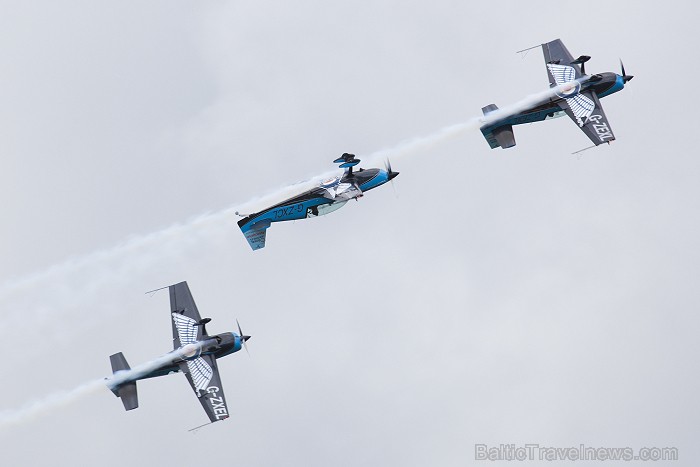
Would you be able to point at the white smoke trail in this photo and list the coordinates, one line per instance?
(57, 400)
(418, 144)
(51, 402)
(29, 282)
(47, 298)
(445, 134)
(58, 303)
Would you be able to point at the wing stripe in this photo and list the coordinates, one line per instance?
(186, 329)
(201, 373)
(562, 73)
(581, 106)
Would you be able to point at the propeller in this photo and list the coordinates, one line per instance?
(625, 76)
(243, 338)
(391, 173)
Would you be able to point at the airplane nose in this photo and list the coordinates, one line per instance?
(625, 76)
(245, 338)
(392, 175)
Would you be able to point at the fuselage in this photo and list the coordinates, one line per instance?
(320, 201)
(602, 84)
(218, 345)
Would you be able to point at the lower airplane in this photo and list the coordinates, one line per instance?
(195, 353)
(330, 195)
(578, 97)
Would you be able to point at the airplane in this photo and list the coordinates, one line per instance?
(577, 96)
(194, 353)
(329, 196)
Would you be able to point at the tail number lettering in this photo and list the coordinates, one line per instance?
(217, 403)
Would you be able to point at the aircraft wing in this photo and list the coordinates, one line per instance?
(185, 316)
(203, 375)
(559, 63)
(585, 110)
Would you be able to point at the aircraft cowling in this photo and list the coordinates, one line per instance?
(226, 339)
(211, 345)
(608, 83)
(225, 342)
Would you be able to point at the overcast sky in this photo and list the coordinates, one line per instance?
(501, 296)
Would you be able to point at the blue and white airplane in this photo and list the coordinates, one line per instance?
(194, 353)
(329, 196)
(577, 96)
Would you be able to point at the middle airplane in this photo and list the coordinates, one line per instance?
(330, 195)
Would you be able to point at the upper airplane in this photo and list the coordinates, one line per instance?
(577, 96)
(195, 353)
(330, 195)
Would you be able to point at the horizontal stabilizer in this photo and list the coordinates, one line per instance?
(126, 391)
(497, 136)
(504, 136)
(119, 362)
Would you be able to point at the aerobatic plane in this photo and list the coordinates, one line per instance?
(330, 195)
(194, 354)
(577, 96)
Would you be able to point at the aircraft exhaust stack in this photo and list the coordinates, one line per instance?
(126, 391)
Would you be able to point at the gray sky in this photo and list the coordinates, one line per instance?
(519, 296)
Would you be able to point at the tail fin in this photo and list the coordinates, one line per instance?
(497, 135)
(126, 391)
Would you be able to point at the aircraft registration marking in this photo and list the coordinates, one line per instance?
(601, 127)
(288, 211)
(217, 403)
